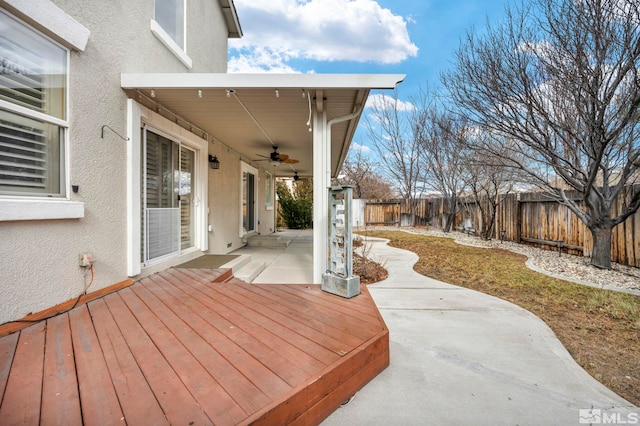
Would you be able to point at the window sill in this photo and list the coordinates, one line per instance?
(166, 39)
(20, 209)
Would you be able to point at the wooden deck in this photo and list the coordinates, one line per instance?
(190, 347)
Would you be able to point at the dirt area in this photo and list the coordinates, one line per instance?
(600, 328)
(369, 271)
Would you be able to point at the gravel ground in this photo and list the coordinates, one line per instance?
(567, 267)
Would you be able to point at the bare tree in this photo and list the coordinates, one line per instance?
(488, 181)
(443, 138)
(560, 82)
(399, 150)
(358, 171)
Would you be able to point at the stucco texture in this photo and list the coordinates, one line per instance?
(40, 258)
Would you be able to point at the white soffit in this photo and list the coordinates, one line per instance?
(277, 105)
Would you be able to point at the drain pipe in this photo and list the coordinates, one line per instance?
(330, 123)
(321, 191)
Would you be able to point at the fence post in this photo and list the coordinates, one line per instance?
(518, 221)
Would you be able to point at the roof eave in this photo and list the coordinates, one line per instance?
(231, 17)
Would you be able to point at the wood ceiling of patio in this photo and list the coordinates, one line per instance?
(180, 348)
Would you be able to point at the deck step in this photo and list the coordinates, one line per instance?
(237, 263)
(270, 240)
(250, 271)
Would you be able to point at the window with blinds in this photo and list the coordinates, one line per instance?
(33, 74)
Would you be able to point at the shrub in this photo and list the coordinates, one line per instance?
(296, 207)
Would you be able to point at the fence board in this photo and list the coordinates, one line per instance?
(520, 216)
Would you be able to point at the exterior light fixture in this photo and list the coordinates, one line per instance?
(213, 162)
(277, 93)
(153, 93)
(199, 93)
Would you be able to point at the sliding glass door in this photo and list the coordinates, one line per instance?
(167, 200)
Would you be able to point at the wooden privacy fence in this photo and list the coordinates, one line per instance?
(530, 218)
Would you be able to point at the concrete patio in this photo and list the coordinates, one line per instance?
(285, 257)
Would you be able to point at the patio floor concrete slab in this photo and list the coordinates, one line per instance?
(292, 264)
(462, 357)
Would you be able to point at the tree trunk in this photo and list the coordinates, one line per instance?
(601, 254)
(449, 218)
(488, 222)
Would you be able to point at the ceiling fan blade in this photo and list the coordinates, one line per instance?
(291, 161)
(263, 156)
(282, 157)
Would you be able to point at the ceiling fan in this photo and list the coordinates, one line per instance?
(275, 158)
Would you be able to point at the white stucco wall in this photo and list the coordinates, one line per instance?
(224, 201)
(40, 258)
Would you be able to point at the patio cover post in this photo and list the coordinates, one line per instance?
(321, 183)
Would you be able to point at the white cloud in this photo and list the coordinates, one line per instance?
(386, 102)
(362, 148)
(322, 30)
(261, 60)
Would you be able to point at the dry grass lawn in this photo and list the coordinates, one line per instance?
(600, 328)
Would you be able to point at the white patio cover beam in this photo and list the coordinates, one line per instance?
(258, 81)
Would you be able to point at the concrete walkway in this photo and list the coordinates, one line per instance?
(462, 357)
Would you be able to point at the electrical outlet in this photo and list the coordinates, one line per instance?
(86, 260)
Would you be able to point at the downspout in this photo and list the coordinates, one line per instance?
(336, 120)
(321, 233)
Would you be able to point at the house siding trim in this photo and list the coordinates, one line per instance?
(166, 39)
(51, 20)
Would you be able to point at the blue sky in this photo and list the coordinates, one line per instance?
(413, 37)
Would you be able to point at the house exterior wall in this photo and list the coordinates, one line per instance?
(40, 257)
(224, 201)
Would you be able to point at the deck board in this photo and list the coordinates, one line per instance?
(177, 403)
(238, 385)
(134, 393)
(157, 323)
(284, 315)
(235, 324)
(256, 367)
(21, 401)
(7, 351)
(317, 313)
(194, 346)
(219, 297)
(98, 397)
(60, 399)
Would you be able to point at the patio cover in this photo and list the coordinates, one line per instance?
(250, 113)
(309, 117)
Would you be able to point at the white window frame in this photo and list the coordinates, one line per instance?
(179, 51)
(41, 206)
